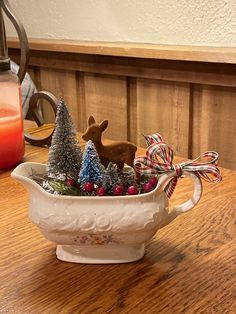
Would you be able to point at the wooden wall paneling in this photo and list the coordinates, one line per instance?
(31, 71)
(81, 106)
(172, 70)
(37, 78)
(132, 109)
(139, 94)
(214, 125)
(34, 73)
(163, 107)
(131, 49)
(106, 98)
(61, 84)
(191, 118)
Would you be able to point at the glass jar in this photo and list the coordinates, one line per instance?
(11, 121)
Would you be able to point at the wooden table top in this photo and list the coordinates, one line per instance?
(189, 266)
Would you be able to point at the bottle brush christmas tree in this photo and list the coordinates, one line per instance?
(91, 170)
(111, 177)
(65, 155)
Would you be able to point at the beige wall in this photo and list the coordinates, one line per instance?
(193, 22)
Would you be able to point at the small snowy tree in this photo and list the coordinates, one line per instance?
(111, 177)
(65, 155)
(91, 170)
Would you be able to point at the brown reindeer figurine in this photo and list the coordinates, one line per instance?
(119, 153)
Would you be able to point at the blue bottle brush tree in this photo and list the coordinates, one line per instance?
(91, 170)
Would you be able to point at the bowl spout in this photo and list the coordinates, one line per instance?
(23, 172)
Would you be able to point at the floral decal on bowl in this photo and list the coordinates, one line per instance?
(93, 239)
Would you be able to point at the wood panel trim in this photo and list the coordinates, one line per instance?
(136, 50)
(178, 71)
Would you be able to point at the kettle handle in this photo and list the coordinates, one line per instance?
(190, 203)
(24, 46)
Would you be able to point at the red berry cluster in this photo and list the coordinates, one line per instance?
(150, 185)
(118, 189)
(90, 187)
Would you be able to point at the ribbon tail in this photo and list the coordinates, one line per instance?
(170, 187)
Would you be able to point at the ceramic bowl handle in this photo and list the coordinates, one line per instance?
(197, 193)
(189, 204)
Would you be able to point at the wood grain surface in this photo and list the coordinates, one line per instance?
(164, 106)
(186, 93)
(214, 111)
(141, 87)
(189, 266)
(140, 50)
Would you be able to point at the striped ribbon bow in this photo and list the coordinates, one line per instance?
(159, 158)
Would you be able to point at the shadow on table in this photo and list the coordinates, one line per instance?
(81, 286)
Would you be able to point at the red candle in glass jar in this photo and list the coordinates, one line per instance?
(11, 123)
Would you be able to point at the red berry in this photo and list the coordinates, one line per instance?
(132, 190)
(101, 191)
(70, 182)
(153, 181)
(147, 187)
(88, 187)
(118, 190)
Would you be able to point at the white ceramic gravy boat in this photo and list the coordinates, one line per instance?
(101, 229)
